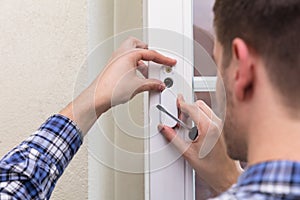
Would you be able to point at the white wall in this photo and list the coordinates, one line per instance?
(42, 44)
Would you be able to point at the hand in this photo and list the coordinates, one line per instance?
(207, 155)
(117, 83)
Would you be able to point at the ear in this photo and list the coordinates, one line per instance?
(244, 74)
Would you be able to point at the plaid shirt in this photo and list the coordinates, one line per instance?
(272, 180)
(31, 170)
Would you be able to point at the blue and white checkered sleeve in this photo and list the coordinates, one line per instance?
(31, 170)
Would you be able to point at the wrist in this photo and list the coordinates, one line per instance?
(223, 179)
(85, 110)
(101, 104)
(101, 107)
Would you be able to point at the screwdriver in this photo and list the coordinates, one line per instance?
(193, 132)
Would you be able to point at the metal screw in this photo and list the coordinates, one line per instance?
(168, 69)
(168, 82)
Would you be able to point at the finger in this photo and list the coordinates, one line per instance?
(198, 116)
(180, 98)
(136, 43)
(150, 55)
(140, 44)
(141, 63)
(129, 45)
(174, 138)
(182, 116)
(150, 85)
(143, 68)
(193, 111)
(133, 42)
(208, 111)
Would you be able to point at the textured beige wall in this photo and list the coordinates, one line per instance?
(42, 44)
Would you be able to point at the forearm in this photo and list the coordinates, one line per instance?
(31, 170)
(86, 109)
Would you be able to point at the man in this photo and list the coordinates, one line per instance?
(258, 54)
(256, 51)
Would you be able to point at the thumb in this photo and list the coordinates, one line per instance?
(150, 85)
(174, 138)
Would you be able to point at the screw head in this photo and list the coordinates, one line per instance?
(168, 69)
(168, 82)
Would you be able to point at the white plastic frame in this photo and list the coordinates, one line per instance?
(175, 181)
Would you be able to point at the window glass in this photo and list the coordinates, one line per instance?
(204, 37)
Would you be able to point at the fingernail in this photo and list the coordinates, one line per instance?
(160, 127)
(162, 86)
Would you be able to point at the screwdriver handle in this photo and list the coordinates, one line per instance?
(193, 134)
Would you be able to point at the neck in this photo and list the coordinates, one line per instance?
(275, 137)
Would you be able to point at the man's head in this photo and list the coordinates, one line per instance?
(256, 37)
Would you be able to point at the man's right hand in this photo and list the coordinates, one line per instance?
(207, 155)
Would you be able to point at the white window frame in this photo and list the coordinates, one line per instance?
(205, 83)
(175, 181)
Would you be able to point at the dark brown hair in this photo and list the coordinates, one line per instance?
(272, 29)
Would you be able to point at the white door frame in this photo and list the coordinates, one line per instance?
(174, 180)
